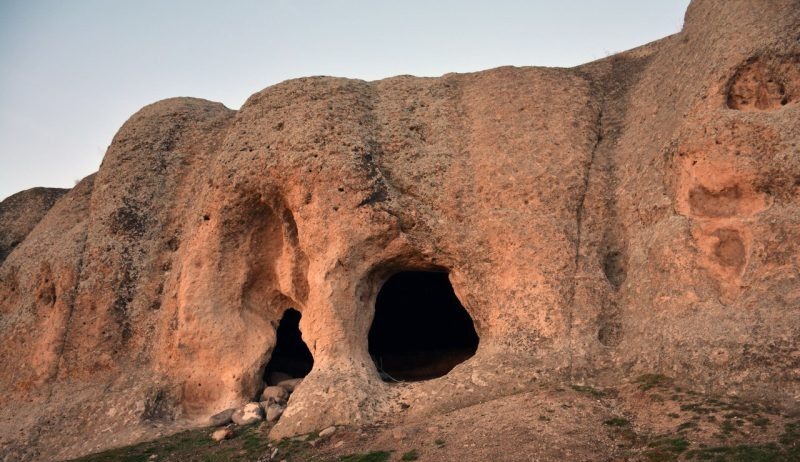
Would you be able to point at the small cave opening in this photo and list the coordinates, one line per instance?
(420, 330)
(290, 358)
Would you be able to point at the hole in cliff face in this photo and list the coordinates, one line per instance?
(766, 83)
(730, 250)
(610, 325)
(614, 268)
(722, 203)
(420, 330)
(291, 357)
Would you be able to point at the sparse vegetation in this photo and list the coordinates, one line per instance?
(375, 456)
(595, 393)
(666, 449)
(617, 422)
(706, 429)
(741, 453)
(649, 381)
(189, 446)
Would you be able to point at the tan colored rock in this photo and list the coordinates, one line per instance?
(290, 384)
(248, 414)
(222, 418)
(278, 377)
(631, 215)
(19, 214)
(324, 433)
(222, 434)
(274, 412)
(275, 394)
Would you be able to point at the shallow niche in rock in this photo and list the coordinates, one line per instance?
(765, 83)
(291, 358)
(420, 330)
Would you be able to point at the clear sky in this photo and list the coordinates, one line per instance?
(71, 72)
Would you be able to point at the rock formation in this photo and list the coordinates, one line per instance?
(637, 214)
(21, 212)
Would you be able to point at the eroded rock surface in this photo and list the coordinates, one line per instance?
(638, 214)
(19, 214)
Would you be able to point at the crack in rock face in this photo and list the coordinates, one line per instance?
(405, 248)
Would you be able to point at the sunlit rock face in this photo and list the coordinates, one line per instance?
(638, 214)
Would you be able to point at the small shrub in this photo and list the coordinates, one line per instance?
(410, 455)
(687, 425)
(761, 422)
(595, 393)
(648, 381)
(617, 422)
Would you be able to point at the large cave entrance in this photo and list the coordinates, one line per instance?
(291, 357)
(420, 330)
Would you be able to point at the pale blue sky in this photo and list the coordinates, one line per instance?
(71, 72)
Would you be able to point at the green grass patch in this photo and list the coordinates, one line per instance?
(649, 381)
(697, 408)
(741, 453)
(760, 421)
(616, 422)
(666, 449)
(687, 425)
(374, 456)
(410, 455)
(791, 435)
(591, 391)
(727, 427)
(247, 445)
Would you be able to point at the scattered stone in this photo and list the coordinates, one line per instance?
(339, 444)
(220, 434)
(290, 384)
(327, 432)
(274, 412)
(274, 394)
(221, 418)
(248, 414)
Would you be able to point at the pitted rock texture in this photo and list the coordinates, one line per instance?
(20, 212)
(638, 214)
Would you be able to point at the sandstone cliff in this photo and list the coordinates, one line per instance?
(638, 214)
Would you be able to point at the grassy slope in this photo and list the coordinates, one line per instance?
(648, 420)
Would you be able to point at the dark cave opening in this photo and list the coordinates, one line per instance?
(291, 357)
(420, 330)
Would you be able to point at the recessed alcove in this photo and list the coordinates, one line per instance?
(291, 356)
(420, 330)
